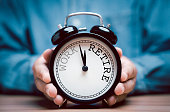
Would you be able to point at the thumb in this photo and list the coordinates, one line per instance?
(119, 50)
(47, 54)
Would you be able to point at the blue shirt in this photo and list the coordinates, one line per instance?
(142, 27)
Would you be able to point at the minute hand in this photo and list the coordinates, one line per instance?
(83, 57)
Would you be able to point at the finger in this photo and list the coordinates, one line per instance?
(128, 73)
(40, 68)
(120, 98)
(51, 90)
(47, 96)
(58, 100)
(115, 99)
(48, 89)
(129, 70)
(40, 85)
(111, 100)
(41, 71)
(129, 85)
(47, 54)
(44, 58)
(124, 77)
(126, 87)
(119, 89)
(119, 50)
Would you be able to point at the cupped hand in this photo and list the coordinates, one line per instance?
(127, 80)
(42, 78)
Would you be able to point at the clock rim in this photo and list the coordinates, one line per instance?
(117, 79)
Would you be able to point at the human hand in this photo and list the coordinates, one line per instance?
(127, 80)
(43, 80)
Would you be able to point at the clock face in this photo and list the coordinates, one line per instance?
(85, 68)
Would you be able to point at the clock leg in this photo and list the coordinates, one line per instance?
(64, 104)
(105, 103)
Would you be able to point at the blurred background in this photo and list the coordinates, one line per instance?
(142, 28)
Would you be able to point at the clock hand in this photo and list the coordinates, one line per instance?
(82, 57)
(84, 68)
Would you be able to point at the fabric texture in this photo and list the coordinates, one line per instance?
(142, 27)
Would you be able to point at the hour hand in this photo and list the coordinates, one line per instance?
(84, 58)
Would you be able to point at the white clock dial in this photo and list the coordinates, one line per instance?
(90, 84)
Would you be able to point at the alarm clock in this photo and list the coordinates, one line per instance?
(85, 66)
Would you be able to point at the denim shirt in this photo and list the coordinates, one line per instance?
(142, 28)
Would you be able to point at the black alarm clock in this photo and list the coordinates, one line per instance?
(85, 67)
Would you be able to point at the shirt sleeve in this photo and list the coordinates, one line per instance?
(153, 65)
(16, 50)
